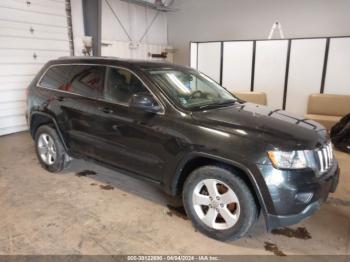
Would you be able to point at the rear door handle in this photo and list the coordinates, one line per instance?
(106, 110)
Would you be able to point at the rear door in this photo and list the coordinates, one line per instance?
(79, 105)
(51, 93)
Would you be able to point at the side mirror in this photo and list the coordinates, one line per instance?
(144, 102)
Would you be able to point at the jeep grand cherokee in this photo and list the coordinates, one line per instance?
(176, 127)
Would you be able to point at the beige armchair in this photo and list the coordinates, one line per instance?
(327, 109)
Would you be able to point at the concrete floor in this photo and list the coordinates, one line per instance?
(44, 213)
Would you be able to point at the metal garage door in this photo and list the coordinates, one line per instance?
(31, 33)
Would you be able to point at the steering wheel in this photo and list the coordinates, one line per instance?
(196, 94)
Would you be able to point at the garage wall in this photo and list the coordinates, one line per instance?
(135, 19)
(78, 26)
(252, 19)
(145, 28)
(31, 33)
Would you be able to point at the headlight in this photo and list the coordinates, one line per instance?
(288, 160)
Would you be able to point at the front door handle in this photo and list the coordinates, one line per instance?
(106, 110)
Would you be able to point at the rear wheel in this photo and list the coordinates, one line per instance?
(219, 203)
(49, 149)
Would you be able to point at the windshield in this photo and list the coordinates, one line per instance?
(191, 89)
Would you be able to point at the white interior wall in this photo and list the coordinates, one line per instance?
(193, 55)
(209, 55)
(338, 76)
(223, 20)
(237, 65)
(270, 68)
(216, 20)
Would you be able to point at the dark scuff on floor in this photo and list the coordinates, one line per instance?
(86, 173)
(300, 232)
(274, 249)
(106, 187)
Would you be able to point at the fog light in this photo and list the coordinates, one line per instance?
(304, 197)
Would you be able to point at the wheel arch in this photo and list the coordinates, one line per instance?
(38, 119)
(196, 160)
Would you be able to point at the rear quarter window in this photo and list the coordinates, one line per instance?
(55, 77)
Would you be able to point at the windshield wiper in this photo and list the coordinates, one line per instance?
(217, 105)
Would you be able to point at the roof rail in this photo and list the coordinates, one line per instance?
(88, 57)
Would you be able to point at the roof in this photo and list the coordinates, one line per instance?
(116, 60)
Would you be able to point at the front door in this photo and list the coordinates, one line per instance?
(130, 139)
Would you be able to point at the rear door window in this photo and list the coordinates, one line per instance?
(55, 78)
(87, 81)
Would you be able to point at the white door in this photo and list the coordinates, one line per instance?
(31, 33)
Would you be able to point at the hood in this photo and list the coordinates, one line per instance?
(277, 128)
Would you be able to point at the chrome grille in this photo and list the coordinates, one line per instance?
(325, 157)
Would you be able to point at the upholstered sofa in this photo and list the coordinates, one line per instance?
(253, 97)
(327, 109)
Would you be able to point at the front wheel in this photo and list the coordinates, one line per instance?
(219, 203)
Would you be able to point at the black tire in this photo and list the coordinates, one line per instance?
(62, 159)
(248, 207)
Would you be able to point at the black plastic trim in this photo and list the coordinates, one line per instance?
(221, 61)
(274, 221)
(252, 79)
(325, 65)
(286, 76)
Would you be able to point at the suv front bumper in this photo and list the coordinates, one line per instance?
(288, 209)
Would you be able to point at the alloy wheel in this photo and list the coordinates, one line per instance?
(216, 204)
(47, 149)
